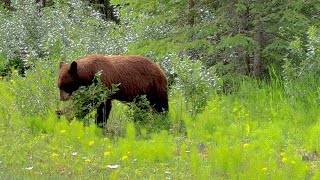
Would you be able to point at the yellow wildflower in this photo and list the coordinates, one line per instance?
(245, 145)
(54, 154)
(264, 169)
(63, 131)
(107, 153)
(91, 143)
(87, 160)
(124, 158)
(284, 159)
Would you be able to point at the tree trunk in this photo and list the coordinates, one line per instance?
(191, 19)
(257, 61)
(105, 7)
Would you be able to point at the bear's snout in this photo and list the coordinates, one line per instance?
(64, 95)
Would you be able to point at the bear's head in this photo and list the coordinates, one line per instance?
(69, 80)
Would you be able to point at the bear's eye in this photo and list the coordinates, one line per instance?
(69, 83)
(69, 88)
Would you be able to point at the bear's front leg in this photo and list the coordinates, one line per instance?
(103, 113)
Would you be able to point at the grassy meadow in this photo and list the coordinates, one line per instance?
(264, 131)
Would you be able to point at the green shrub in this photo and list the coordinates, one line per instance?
(144, 116)
(194, 80)
(36, 93)
(301, 70)
(67, 30)
(87, 99)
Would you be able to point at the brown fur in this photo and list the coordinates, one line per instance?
(137, 75)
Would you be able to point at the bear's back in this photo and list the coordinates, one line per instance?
(135, 69)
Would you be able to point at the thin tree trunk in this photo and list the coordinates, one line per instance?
(191, 12)
(107, 9)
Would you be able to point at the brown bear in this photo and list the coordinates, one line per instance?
(137, 75)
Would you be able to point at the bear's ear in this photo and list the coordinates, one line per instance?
(73, 67)
(61, 63)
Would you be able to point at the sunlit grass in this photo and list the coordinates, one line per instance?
(255, 133)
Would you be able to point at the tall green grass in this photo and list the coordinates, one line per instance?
(262, 131)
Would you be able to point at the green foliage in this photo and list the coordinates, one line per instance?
(301, 68)
(196, 82)
(224, 34)
(30, 34)
(3, 65)
(303, 61)
(258, 131)
(88, 98)
(144, 116)
(140, 110)
(36, 93)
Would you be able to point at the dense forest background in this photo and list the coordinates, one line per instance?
(243, 97)
(237, 38)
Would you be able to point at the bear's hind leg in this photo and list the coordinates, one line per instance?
(103, 113)
(161, 104)
(159, 101)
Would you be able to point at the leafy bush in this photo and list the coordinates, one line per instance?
(196, 82)
(35, 93)
(68, 30)
(303, 62)
(87, 99)
(302, 69)
(144, 117)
